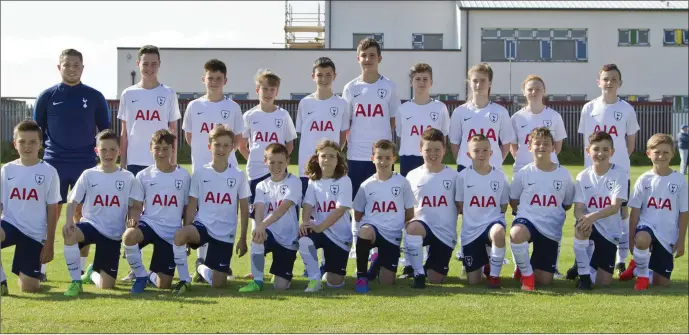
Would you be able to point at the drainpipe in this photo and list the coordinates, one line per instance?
(330, 24)
(133, 74)
(466, 53)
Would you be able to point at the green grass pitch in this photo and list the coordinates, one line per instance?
(452, 307)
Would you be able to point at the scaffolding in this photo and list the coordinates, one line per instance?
(304, 30)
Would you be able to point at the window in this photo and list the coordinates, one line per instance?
(534, 45)
(360, 36)
(427, 41)
(239, 96)
(445, 97)
(679, 102)
(298, 96)
(634, 97)
(676, 37)
(633, 37)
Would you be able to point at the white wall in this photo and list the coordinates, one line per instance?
(182, 69)
(397, 20)
(655, 71)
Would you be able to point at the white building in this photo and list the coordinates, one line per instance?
(564, 42)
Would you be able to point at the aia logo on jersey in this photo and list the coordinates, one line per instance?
(377, 111)
(278, 123)
(39, 179)
(483, 201)
(323, 126)
(231, 182)
(493, 117)
(148, 116)
(495, 186)
(178, 184)
(334, 189)
(490, 134)
(611, 131)
(165, 201)
(600, 202)
(119, 185)
(547, 123)
(434, 116)
(673, 188)
(334, 111)
(161, 101)
(396, 191)
(283, 189)
(610, 184)
(24, 195)
(618, 116)
(384, 207)
(382, 93)
(447, 184)
(659, 203)
(557, 184)
(225, 114)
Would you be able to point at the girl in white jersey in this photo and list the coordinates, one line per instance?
(328, 199)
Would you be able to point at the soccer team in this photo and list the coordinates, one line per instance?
(149, 199)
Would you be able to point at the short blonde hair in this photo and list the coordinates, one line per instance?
(268, 77)
(659, 139)
(218, 131)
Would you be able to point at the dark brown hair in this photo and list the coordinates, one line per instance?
(71, 52)
(276, 148)
(601, 136)
(367, 43)
(28, 125)
(108, 134)
(385, 145)
(163, 136)
(149, 49)
(218, 131)
(433, 135)
(313, 169)
(420, 68)
(322, 63)
(215, 65)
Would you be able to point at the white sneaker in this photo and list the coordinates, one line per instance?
(129, 277)
(557, 275)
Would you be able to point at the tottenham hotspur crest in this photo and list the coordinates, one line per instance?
(119, 185)
(547, 123)
(283, 189)
(396, 191)
(673, 188)
(84, 100)
(447, 184)
(231, 182)
(334, 111)
(39, 179)
(225, 114)
(493, 117)
(434, 116)
(557, 184)
(334, 189)
(609, 184)
(618, 116)
(382, 93)
(178, 184)
(495, 186)
(161, 101)
(278, 123)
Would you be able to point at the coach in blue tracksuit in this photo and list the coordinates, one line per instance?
(70, 114)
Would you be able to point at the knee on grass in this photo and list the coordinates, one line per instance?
(28, 284)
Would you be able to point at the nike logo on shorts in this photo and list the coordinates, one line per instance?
(57, 103)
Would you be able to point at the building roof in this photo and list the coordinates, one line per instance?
(577, 5)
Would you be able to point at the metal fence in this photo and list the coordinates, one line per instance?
(654, 117)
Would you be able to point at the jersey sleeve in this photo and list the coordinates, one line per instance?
(247, 130)
(347, 96)
(53, 195)
(294, 192)
(505, 195)
(582, 119)
(194, 186)
(345, 118)
(78, 192)
(517, 186)
(136, 192)
(683, 197)
(173, 109)
(507, 135)
(559, 131)
(620, 191)
(360, 199)
(310, 196)
(459, 188)
(344, 196)
(3, 187)
(260, 197)
(579, 190)
(122, 108)
(102, 112)
(409, 200)
(187, 184)
(398, 121)
(632, 122)
(569, 192)
(238, 121)
(394, 102)
(455, 127)
(298, 121)
(638, 195)
(290, 132)
(40, 113)
(187, 121)
(445, 124)
(244, 191)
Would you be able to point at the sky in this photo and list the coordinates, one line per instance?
(34, 33)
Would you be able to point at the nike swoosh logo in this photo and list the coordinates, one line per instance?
(587, 187)
(531, 184)
(470, 186)
(468, 118)
(255, 122)
(199, 113)
(57, 103)
(152, 184)
(356, 95)
(420, 185)
(372, 193)
(646, 187)
(94, 185)
(222, 264)
(592, 115)
(523, 126)
(311, 112)
(133, 101)
(10, 178)
(205, 181)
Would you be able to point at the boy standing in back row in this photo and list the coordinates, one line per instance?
(372, 104)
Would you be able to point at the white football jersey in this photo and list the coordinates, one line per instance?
(370, 107)
(26, 191)
(541, 196)
(661, 199)
(318, 120)
(271, 194)
(618, 120)
(481, 198)
(262, 129)
(493, 121)
(524, 121)
(596, 192)
(218, 195)
(412, 120)
(434, 200)
(145, 112)
(384, 204)
(165, 196)
(325, 196)
(201, 117)
(106, 199)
